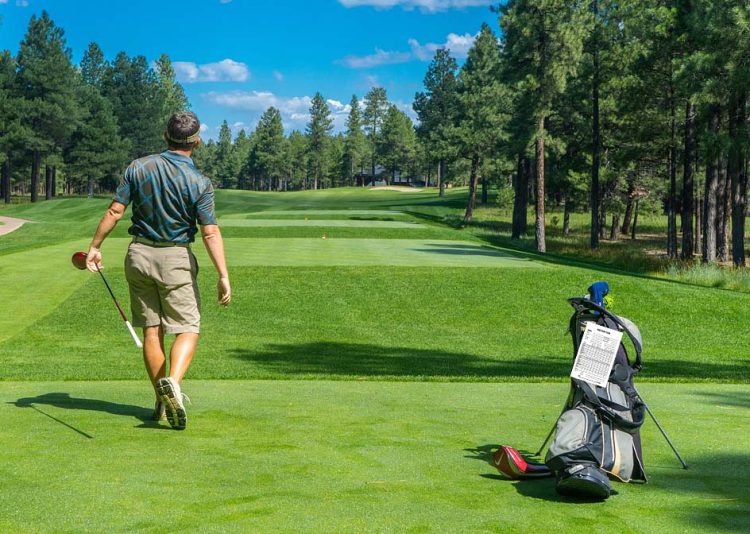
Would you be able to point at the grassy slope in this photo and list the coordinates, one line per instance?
(348, 457)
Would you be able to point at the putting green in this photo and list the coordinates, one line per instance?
(340, 252)
(318, 222)
(302, 213)
(320, 456)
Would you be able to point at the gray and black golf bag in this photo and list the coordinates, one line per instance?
(598, 433)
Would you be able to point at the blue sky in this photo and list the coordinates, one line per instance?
(237, 57)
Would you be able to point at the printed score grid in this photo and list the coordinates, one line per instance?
(596, 354)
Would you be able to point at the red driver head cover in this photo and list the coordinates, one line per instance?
(510, 463)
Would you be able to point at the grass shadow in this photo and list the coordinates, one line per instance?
(65, 401)
(336, 359)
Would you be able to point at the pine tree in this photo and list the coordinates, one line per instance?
(373, 116)
(172, 94)
(93, 66)
(437, 109)
(318, 133)
(266, 161)
(226, 165)
(485, 105)
(397, 142)
(46, 80)
(354, 144)
(543, 42)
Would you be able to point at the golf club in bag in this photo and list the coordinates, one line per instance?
(79, 261)
(597, 436)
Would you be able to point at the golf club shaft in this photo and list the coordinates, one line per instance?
(551, 430)
(135, 337)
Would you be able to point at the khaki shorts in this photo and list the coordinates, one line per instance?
(163, 287)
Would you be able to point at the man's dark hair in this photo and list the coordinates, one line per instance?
(183, 131)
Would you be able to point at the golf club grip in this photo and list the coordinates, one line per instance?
(135, 336)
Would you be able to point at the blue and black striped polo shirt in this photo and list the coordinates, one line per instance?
(170, 197)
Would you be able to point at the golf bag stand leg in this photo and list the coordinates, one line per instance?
(663, 433)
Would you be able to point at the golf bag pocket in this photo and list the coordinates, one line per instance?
(578, 438)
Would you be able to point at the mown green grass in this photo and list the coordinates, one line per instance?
(358, 383)
(305, 456)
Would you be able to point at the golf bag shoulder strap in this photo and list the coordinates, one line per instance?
(585, 306)
(612, 411)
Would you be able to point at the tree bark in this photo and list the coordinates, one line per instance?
(614, 233)
(6, 181)
(566, 217)
(54, 181)
(736, 171)
(521, 198)
(628, 217)
(711, 192)
(541, 242)
(595, 145)
(485, 192)
(441, 177)
(722, 232)
(635, 218)
(687, 183)
(47, 182)
(473, 182)
(672, 159)
(35, 164)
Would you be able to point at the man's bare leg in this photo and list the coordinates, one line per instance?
(153, 353)
(181, 354)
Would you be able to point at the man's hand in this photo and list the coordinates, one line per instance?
(94, 259)
(224, 291)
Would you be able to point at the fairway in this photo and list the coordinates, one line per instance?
(370, 362)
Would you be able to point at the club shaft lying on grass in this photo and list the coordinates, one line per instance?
(122, 313)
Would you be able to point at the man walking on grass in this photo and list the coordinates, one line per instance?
(169, 199)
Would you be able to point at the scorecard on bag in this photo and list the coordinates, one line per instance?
(596, 354)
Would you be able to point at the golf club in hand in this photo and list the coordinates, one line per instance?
(79, 260)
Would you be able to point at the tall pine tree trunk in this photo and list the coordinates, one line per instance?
(614, 233)
(6, 181)
(47, 182)
(485, 193)
(541, 241)
(736, 171)
(687, 182)
(711, 192)
(36, 162)
(635, 218)
(628, 217)
(473, 182)
(566, 217)
(672, 159)
(722, 234)
(441, 177)
(54, 181)
(596, 145)
(521, 198)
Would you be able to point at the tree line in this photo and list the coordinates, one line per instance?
(601, 106)
(87, 121)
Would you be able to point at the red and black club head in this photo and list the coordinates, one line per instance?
(79, 260)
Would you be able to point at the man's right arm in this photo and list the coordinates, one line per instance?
(215, 247)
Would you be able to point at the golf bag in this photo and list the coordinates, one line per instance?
(598, 433)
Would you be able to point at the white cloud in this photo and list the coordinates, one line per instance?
(380, 57)
(278, 75)
(429, 6)
(226, 70)
(458, 45)
(204, 127)
(295, 110)
(22, 3)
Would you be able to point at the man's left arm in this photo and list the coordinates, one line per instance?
(113, 214)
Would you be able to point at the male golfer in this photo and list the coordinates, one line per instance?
(169, 198)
